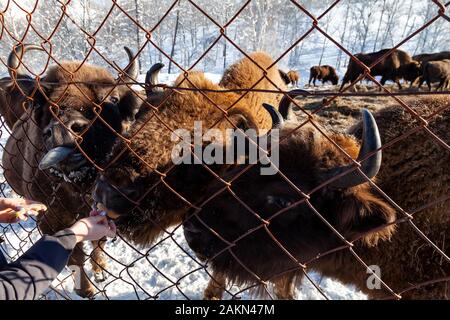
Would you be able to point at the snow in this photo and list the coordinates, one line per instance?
(154, 272)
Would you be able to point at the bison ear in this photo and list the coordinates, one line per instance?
(240, 121)
(363, 215)
(129, 106)
(36, 92)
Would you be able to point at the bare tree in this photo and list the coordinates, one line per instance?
(343, 34)
(177, 21)
(138, 40)
(324, 44)
(379, 25)
(408, 18)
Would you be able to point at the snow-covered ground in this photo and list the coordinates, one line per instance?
(164, 270)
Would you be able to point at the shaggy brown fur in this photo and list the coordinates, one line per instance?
(415, 173)
(396, 66)
(37, 131)
(244, 74)
(134, 173)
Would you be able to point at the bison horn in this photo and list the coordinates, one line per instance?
(15, 58)
(55, 156)
(285, 103)
(277, 118)
(284, 77)
(371, 142)
(151, 79)
(132, 70)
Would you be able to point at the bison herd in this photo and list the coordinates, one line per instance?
(82, 138)
(393, 65)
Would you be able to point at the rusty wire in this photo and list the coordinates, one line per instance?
(227, 184)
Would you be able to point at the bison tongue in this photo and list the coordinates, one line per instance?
(54, 156)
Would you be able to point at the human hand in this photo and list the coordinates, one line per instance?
(93, 228)
(13, 210)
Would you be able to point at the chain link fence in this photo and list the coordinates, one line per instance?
(166, 266)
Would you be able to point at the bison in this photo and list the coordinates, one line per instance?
(436, 71)
(290, 77)
(324, 73)
(140, 188)
(73, 116)
(397, 65)
(294, 77)
(415, 173)
(421, 57)
(425, 57)
(224, 231)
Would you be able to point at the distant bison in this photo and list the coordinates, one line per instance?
(421, 57)
(436, 71)
(397, 65)
(323, 73)
(294, 77)
(425, 57)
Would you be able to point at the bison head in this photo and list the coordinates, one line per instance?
(258, 215)
(80, 110)
(125, 179)
(410, 71)
(334, 78)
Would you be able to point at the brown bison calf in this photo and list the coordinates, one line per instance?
(294, 77)
(323, 73)
(291, 77)
(397, 65)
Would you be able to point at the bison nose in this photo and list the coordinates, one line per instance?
(78, 126)
(48, 132)
(191, 227)
(101, 185)
(100, 189)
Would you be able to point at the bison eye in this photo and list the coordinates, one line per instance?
(279, 201)
(78, 128)
(114, 100)
(47, 133)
